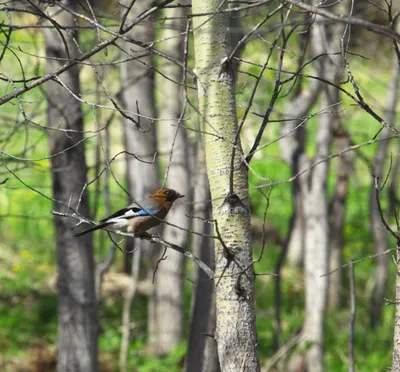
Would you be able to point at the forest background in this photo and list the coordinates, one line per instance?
(275, 52)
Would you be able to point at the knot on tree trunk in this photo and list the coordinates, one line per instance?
(232, 205)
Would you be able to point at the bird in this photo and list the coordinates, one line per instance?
(139, 217)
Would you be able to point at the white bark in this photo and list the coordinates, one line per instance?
(137, 79)
(235, 330)
(315, 202)
(170, 275)
(77, 305)
(292, 147)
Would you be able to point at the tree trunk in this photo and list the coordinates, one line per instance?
(378, 230)
(292, 148)
(77, 306)
(137, 79)
(316, 258)
(174, 142)
(235, 325)
(337, 218)
(202, 353)
(396, 342)
(325, 39)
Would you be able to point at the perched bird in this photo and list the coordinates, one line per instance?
(139, 217)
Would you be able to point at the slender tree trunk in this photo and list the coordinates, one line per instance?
(316, 259)
(396, 341)
(325, 39)
(292, 148)
(235, 328)
(378, 230)
(126, 311)
(137, 79)
(174, 142)
(337, 218)
(202, 353)
(77, 305)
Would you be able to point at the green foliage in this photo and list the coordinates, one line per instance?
(28, 306)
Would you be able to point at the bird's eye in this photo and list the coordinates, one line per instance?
(168, 193)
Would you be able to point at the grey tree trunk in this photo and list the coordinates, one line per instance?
(235, 324)
(292, 147)
(77, 305)
(337, 218)
(396, 341)
(378, 230)
(325, 39)
(316, 258)
(174, 143)
(137, 79)
(202, 349)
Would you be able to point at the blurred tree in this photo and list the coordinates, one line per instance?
(202, 351)
(337, 212)
(137, 79)
(173, 141)
(378, 230)
(77, 306)
(325, 41)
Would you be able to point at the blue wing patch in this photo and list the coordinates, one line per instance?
(147, 212)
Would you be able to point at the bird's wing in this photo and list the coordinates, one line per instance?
(134, 210)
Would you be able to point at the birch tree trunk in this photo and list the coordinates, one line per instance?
(325, 39)
(77, 305)
(235, 324)
(137, 79)
(174, 143)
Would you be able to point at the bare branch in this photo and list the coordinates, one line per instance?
(347, 19)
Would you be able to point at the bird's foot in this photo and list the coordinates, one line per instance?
(143, 235)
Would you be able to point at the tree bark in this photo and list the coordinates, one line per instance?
(378, 230)
(174, 142)
(137, 77)
(77, 305)
(337, 218)
(396, 341)
(235, 324)
(292, 147)
(202, 351)
(126, 311)
(325, 39)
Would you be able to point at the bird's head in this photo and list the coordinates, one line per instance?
(166, 194)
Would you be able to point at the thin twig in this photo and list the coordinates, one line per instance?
(352, 319)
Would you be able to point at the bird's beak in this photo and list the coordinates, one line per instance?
(179, 196)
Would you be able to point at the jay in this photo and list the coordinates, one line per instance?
(138, 218)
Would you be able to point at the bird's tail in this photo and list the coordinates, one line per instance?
(93, 228)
